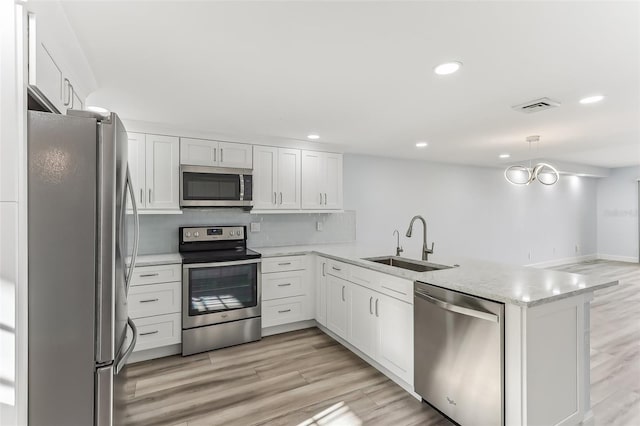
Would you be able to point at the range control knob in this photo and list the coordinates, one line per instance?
(187, 234)
(238, 233)
(196, 234)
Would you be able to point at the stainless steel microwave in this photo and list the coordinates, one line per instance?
(202, 186)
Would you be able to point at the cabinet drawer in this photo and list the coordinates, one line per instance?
(161, 330)
(365, 277)
(283, 264)
(396, 287)
(283, 311)
(283, 284)
(154, 299)
(337, 269)
(156, 274)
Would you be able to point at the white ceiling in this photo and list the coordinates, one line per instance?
(360, 74)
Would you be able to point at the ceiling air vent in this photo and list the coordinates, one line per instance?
(536, 105)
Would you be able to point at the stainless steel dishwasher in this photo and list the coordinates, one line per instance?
(459, 355)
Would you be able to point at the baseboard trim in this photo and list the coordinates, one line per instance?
(285, 328)
(617, 258)
(563, 261)
(154, 353)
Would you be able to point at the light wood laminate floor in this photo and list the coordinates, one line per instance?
(305, 377)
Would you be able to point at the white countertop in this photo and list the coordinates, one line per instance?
(524, 286)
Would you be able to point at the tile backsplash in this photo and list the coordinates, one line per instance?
(159, 233)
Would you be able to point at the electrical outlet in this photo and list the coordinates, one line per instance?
(319, 226)
(255, 226)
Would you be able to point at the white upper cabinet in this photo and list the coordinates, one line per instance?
(198, 152)
(288, 178)
(276, 178)
(202, 152)
(321, 180)
(162, 172)
(48, 77)
(265, 166)
(236, 155)
(137, 168)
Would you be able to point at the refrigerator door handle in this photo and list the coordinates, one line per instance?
(104, 396)
(119, 365)
(136, 233)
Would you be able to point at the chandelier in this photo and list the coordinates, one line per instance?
(544, 173)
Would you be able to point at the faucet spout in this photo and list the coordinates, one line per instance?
(426, 251)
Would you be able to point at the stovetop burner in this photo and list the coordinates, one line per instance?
(204, 244)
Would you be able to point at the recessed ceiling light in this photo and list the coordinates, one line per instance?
(313, 137)
(421, 144)
(591, 99)
(447, 68)
(505, 155)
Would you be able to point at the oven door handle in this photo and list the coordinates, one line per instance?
(220, 264)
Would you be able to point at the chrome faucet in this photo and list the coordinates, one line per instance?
(425, 251)
(399, 249)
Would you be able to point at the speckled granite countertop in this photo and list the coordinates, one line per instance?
(518, 285)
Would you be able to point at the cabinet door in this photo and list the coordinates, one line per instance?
(265, 166)
(321, 291)
(312, 190)
(362, 319)
(288, 178)
(236, 155)
(338, 306)
(136, 168)
(162, 172)
(44, 72)
(395, 336)
(332, 181)
(198, 152)
(77, 100)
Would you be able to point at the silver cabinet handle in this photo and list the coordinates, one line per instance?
(284, 311)
(457, 309)
(155, 274)
(149, 195)
(325, 198)
(377, 307)
(371, 305)
(67, 98)
(215, 154)
(321, 198)
(221, 155)
(284, 285)
(281, 198)
(284, 263)
(149, 300)
(336, 269)
(343, 294)
(149, 332)
(141, 196)
(323, 265)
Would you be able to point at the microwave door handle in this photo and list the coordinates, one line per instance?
(241, 187)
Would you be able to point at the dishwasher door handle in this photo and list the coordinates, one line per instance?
(457, 309)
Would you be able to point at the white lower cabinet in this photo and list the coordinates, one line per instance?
(395, 336)
(338, 306)
(287, 296)
(157, 331)
(321, 291)
(363, 322)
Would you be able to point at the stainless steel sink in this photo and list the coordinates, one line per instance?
(410, 264)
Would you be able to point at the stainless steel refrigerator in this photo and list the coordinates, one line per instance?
(78, 186)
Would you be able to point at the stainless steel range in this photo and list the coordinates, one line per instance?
(220, 288)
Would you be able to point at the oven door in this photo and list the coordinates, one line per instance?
(202, 186)
(220, 292)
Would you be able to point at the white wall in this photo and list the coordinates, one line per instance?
(618, 214)
(470, 211)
